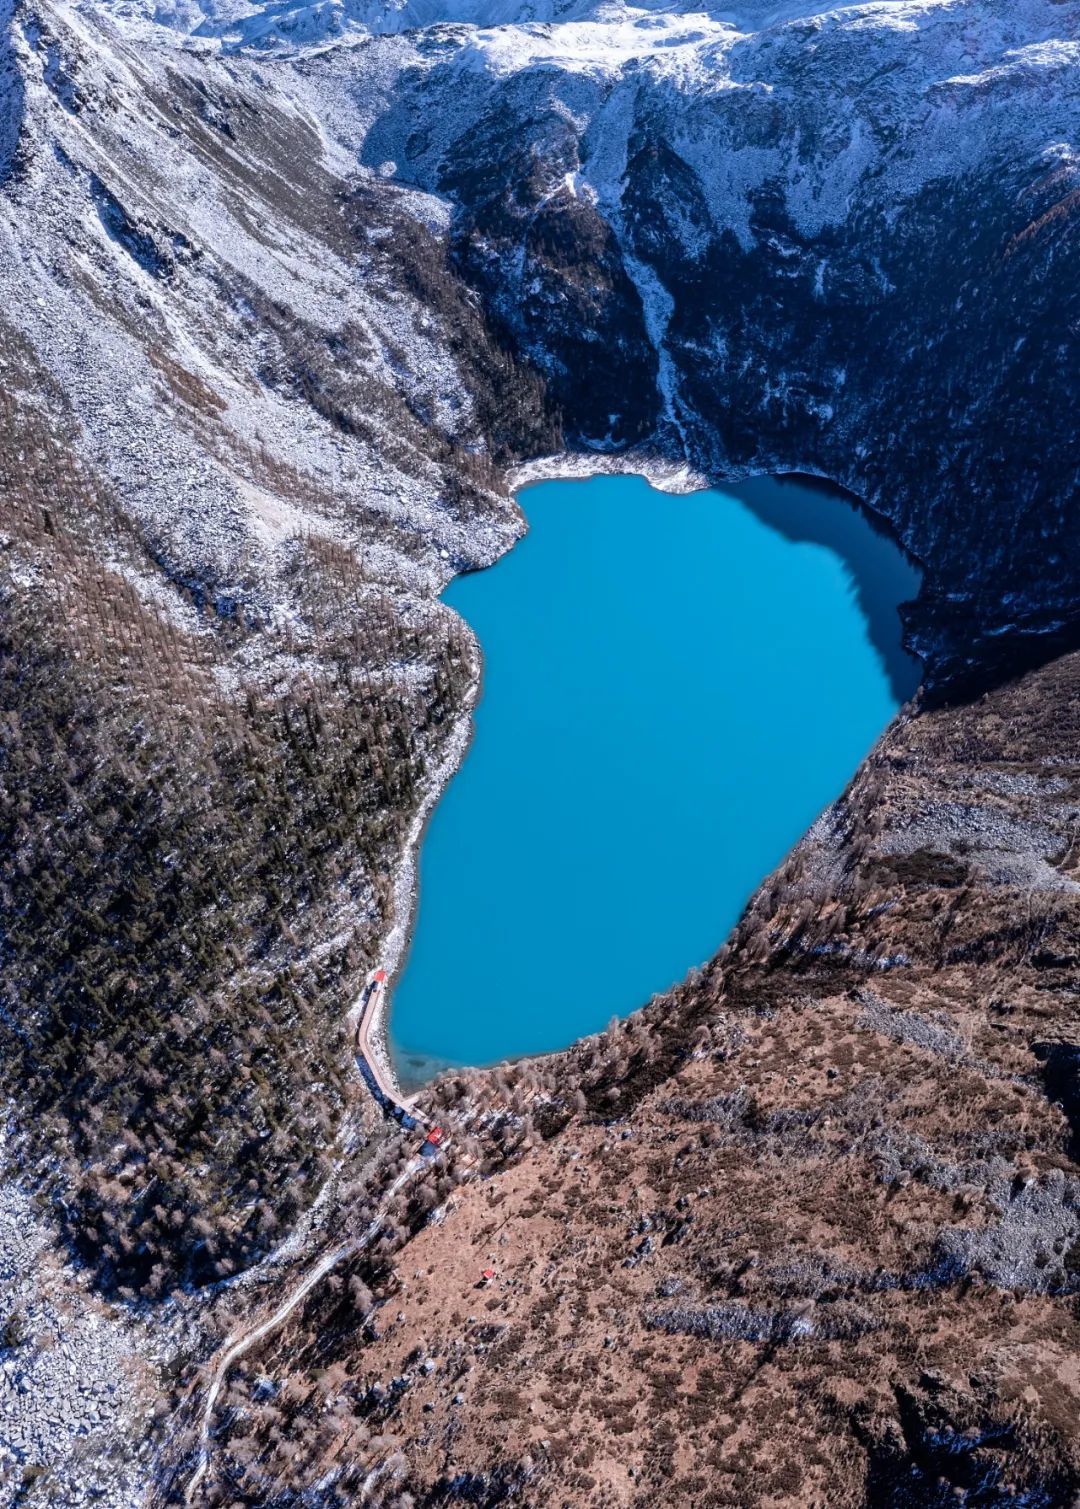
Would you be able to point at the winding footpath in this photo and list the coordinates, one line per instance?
(248, 1339)
(370, 1065)
(385, 1093)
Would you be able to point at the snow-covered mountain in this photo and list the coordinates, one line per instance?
(841, 243)
(293, 25)
(757, 237)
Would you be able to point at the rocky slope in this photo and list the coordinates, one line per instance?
(840, 245)
(805, 1232)
(287, 294)
(765, 238)
(239, 452)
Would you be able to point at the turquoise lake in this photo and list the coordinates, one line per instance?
(674, 688)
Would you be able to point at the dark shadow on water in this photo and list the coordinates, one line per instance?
(881, 574)
(800, 510)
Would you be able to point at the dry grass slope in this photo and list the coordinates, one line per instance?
(805, 1232)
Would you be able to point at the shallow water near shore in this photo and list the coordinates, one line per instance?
(674, 688)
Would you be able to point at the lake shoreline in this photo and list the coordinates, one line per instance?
(496, 865)
(666, 476)
(406, 887)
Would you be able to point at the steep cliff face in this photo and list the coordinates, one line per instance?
(841, 245)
